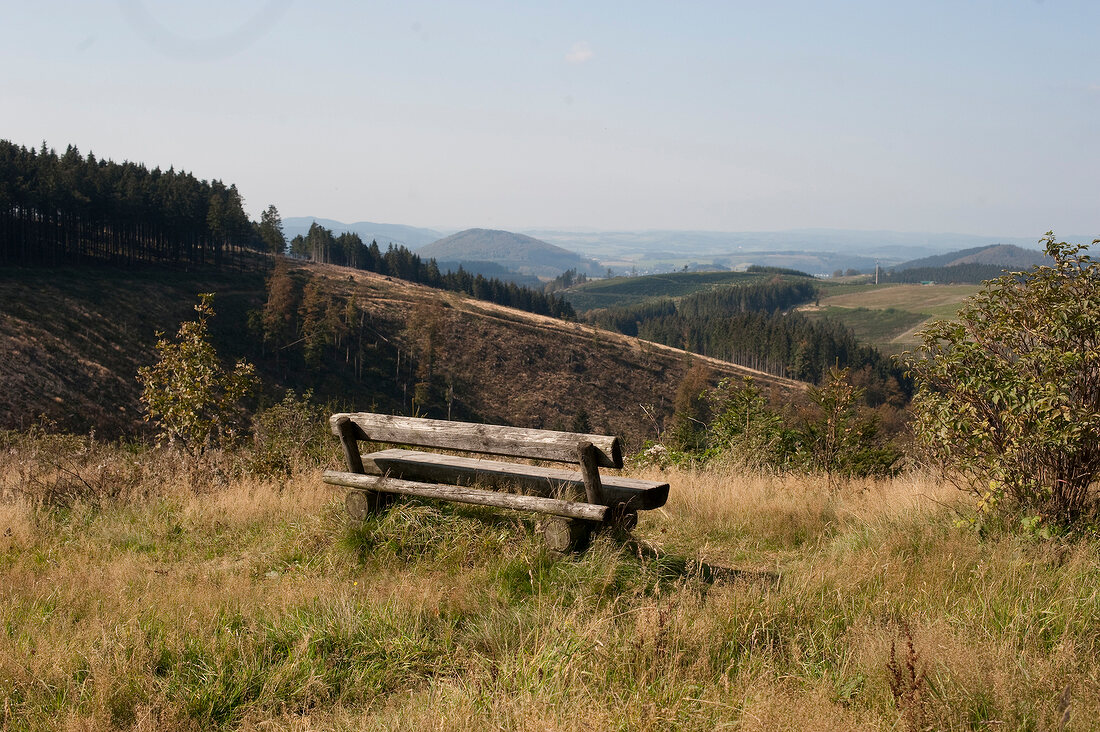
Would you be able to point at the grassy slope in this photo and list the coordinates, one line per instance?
(888, 316)
(245, 604)
(77, 337)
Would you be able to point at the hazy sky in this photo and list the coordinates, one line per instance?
(975, 117)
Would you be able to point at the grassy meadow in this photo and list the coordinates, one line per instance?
(142, 593)
(889, 316)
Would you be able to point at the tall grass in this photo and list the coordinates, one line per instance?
(748, 602)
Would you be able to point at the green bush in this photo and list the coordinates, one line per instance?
(747, 431)
(1009, 392)
(835, 436)
(841, 438)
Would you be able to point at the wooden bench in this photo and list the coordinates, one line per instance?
(575, 502)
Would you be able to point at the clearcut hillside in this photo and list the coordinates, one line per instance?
(75, 337)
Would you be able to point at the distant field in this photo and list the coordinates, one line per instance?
(936, 300)
(874, 326)
(630, 290)
(888, 316)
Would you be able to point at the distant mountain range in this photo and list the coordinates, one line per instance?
(1004, 255)
(892, 246)
(411, 236)
(517, 252)
(624, 252)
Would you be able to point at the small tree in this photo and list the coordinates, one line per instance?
(690, 410)
(840, 438)
(1009, 393)
(187, 393)
(746, 429)
(271, 230)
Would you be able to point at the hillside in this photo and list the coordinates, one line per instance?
(490, 270)
(517, 252)
(76, 338)
(1008, 256)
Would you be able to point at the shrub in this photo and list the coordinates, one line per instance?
(840, 438)
(746, 431)
(290, 435)
(689, 421)
(1009, 393)
(836, 436)
(187, 393)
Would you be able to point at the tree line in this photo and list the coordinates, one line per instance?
(763, 297)
(62, 209)
(319, 244)
(750, 325)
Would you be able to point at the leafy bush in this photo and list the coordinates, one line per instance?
(187, 393)
(1009, 393)
(839, 438)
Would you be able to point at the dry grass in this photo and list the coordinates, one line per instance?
(749, 602)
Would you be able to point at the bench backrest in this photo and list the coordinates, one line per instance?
(486, 439)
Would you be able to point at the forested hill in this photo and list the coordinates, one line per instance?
(967, 265)
(1007, 256)
(518, 252)
(321, 245)
(750, 325)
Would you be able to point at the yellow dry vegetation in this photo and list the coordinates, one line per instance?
(929, 299)
(205, 598)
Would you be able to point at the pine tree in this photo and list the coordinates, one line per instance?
(271, 230)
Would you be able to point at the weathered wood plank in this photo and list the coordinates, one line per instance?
(458, 494)
(482, 438)
(413, 465)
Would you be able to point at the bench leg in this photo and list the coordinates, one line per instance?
(564, 535)
(622, 519)
(361, 503)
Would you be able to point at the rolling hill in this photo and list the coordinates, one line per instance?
(889, 316)
(492, 269)
(75, 338)
(620, 291)
(518, 252)
(1008, 256)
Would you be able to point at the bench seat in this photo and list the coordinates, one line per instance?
(529, 479)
